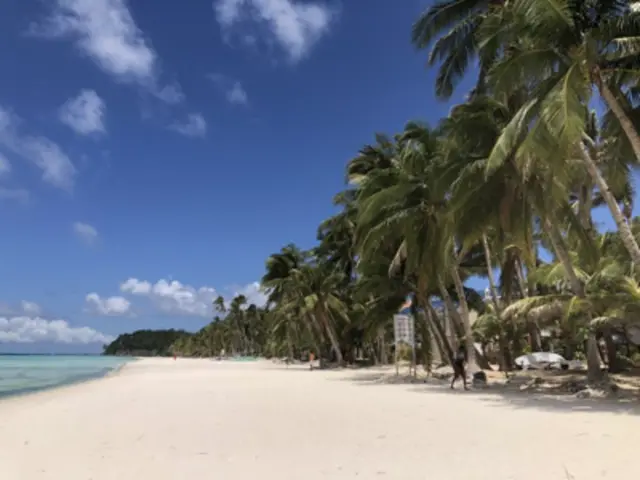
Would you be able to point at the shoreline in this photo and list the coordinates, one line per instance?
(76, 381)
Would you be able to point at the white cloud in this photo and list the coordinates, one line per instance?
(171, 94)
(5, 166)
(19, 195)
(57, 168)
(173, 297)
(233, 90)
(27, 329)
(112, 306)
(105, 31)
(136, 287)
(253, 294)
(194, 126)
(295, 25)
(237, 95)
(31, 308)
(84, 113)
(86, 232)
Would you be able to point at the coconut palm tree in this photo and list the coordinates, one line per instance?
(450, 29)
(560, 55)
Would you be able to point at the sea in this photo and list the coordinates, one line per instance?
(21, 374)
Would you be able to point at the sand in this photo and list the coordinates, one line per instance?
(199, 419)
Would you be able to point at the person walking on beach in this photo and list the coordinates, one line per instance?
(459, 371)
(312, 357)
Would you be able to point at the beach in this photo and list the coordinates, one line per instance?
(202, 419)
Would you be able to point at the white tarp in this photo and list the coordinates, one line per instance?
(537, 359)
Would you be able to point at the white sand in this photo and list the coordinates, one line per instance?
(199, 419)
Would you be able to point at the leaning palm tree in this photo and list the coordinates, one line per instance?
(404, 206)
(312, 290)
(560, 55)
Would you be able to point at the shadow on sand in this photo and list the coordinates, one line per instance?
(502, 395)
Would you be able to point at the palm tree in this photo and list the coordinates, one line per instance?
(404, 206)
(312, 289)
(560, 54)
(450, 28)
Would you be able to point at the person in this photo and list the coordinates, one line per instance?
(312, 357)
(459, 371)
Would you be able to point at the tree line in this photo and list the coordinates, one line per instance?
(503, 188)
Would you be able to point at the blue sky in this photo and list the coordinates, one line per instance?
(153, 154)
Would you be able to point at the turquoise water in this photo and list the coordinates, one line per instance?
(30, 373)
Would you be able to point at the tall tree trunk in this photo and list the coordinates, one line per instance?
(626, 235)
(289, 343)
(432, 316)
(382, 347)
(454, 316)
(612, 351)
(532, 325)
(522, 284)
(333, 338)
(504, 346)
(625, 122)
(310, 324)
(594, 373)
(466, 322)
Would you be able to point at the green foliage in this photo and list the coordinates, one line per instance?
(146, 343)
(512, 172)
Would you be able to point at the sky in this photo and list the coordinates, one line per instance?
(153, 154)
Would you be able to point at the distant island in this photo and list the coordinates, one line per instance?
(145, 343)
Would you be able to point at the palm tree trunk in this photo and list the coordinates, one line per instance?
(454, 316)
(466, 322)
(314, 339)
(626, 235)
(612, 353)
(289, 343)
(594, 374)
(504, 346)
(382, 347)
(432, 317)
(522, 284)
(333, 338)
(625, 122)
(532, 325)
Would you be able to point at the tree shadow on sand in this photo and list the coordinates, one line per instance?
(504, 395)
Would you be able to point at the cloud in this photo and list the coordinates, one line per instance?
(252, 292)
(296, 26)
(25, 308)
(19, 195)
(237, 95)
(173, 297)
(57, 168)
(5, 166)
(112, 306)
(27, 329)
(171, 94)
(31, 308)
(105, 31)
(84, 113)
(233, 90)
(194, 126)
(86, 232)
